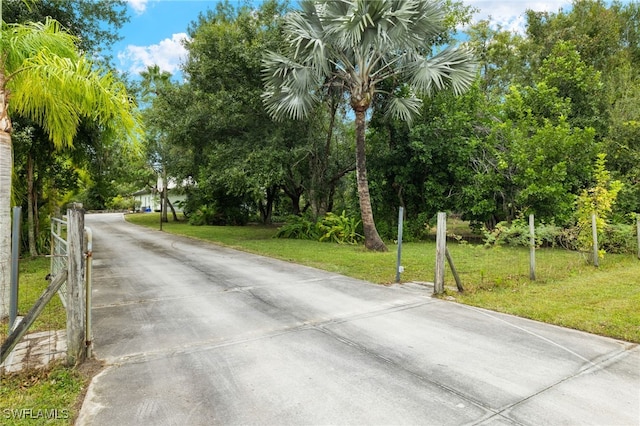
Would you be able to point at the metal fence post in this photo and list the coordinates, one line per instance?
(638, 231)
(76, 297)
(15, 255)
(594, 231)
(441, 247)
(532, 248)
(399, 268)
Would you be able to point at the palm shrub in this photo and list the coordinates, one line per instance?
(339, 229)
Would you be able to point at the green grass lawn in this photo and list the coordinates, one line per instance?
(33, 283)
(39, 397)
(567, 292)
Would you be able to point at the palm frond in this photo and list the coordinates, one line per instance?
(56, 92)
(404, 108)
(284, 102)
(21, 41)
(449, 68)
(306, 34)
(358, 44)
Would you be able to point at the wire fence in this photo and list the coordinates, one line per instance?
(59, 252)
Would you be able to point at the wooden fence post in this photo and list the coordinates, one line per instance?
(441, 247)
(76, 297)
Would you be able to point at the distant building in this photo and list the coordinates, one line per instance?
(148, 199)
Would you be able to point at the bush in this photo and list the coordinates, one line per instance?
(213, 215)
(619, 238)
(121, 203)
(298, 228)
(339, 229)
(417, 228)
(517, 234)
(613, 238)
(204, 215)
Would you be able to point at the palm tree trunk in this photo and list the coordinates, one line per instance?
(6, 161)
(6, 167)
(372, 240)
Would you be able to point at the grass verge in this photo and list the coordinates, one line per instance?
(42, 396)
(567, 292)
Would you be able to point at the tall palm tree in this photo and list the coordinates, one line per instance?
(356, 45)
(44, 78)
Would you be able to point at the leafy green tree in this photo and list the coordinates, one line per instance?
(96, 23)
(531, 161)
(357, 45)
(502, 57)
(239, 149)
(593, 27)
(622, 144)
(222, 137)
(424, 169)
(578, 83)
(52, 84)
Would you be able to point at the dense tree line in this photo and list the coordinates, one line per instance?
(525, 138)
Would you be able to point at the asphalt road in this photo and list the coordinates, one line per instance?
(195, 334)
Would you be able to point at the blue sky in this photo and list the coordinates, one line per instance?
(156, 28)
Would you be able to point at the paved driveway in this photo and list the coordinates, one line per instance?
(195, 334)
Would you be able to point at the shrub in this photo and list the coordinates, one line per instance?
(339, 229)
(298, 228)
(598, 200)
(204, 215)
(417, 228)
(619, 238)
(613, 238)
(121, 203)
(517, 234)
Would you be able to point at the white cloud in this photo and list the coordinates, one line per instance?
(139, 6)
(510, 14)
(168, 55)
